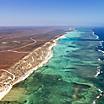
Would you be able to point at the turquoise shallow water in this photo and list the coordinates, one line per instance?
(68, 77)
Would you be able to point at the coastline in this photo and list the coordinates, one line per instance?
(49, 55)
(47, 58)
(28, 73)
(5, 91)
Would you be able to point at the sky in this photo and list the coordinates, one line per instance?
(51, 12)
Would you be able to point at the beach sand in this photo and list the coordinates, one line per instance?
(47, 48)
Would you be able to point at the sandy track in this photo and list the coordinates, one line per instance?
(13, 50)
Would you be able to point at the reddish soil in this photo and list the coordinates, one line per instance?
(17, 42)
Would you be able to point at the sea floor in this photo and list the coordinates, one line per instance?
(68, 78)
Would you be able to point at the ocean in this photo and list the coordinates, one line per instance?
(74, 75)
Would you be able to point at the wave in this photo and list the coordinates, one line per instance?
(99, 71)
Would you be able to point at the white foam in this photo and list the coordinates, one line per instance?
(98, 72)
(93, 33)
(101, 51)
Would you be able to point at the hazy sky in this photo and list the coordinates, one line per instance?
(51, 12)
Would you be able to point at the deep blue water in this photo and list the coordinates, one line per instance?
(100, 32)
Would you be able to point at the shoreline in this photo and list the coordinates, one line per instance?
(49, 55)
(47, 58)
(5, 92)
(28, 73)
